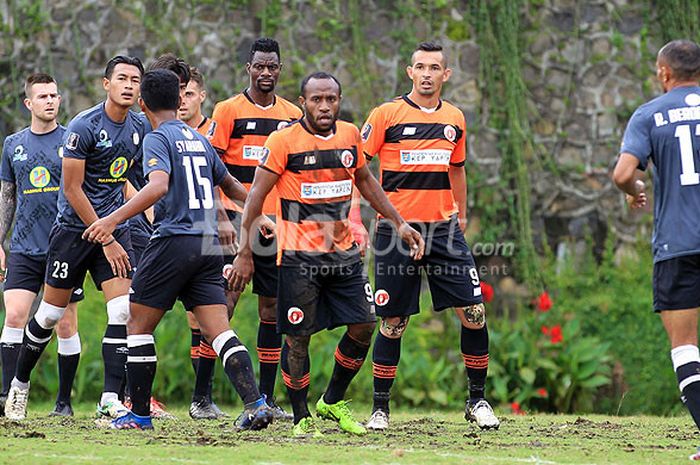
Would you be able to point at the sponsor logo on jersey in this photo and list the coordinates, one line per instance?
(326, 190)
(103, 140)
(39, 177)
(118, 167)
(381, 297)
(136, 138)
(72, 141)
(253, 152)
(347, 158)
(409, 131)
(19, 154)
(152, 162)
(366, 131)
(425, 157)
(310, 159)
(212, 130)
(295, 315)
(450, 133)
(251, 125)
(265, 154)
(60, 151)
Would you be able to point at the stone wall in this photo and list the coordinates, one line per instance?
(587, 65)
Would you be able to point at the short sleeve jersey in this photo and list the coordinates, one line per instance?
(416, 148)
(316, 175)
(207, 128)
(32, 162)
(108, 149)
(194, 168)
(666, 131)
(139, 225)
(241, 128)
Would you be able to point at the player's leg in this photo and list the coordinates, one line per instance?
(195, 340)
(68, 356)
(348, 296)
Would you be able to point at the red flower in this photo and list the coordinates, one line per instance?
(555, 335)
(543, 303)
(542, 392)
(486, 292)
(545, 330)
(515, 407)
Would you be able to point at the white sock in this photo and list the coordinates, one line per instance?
(108, 396)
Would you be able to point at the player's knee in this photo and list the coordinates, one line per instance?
(393, 327)
(118, 310)
(48, 315)
(267, 309)
(298, 345)
(472, 316)
(362, 333)
(15, 319)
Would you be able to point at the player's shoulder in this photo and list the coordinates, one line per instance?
(390, 106)
(139, 119)
(288, 106)
(451, 109)
(88, 118)
(346, 127)
(230, 104)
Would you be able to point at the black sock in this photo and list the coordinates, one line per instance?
(114, 352)
(68, 358)
(269, 349)
(688, 376)
(237, 365)
(194, 348)
(9, 352)
(349, 357)
(475, 352)
(205, 370)
(385, 360)
(35, 341)
(297, 386)
(141, 365)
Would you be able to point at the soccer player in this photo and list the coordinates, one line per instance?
(182, 259)
(98, 147)
(666, 131)
(314, 163)
(243, 123)
(420, 141)
(31, 176)
(190, 110)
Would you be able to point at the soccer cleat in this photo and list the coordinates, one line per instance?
(256, 415)
(379, 421)
(340, 412)
(277, 411)
(62, 409)
(16, 404)
(158, 411)
(482, 414)
(219, 413)
(202, 408)
(112, 409)
(696, 455)
(131, 421)
(306, 428)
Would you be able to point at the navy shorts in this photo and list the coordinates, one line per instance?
(70, 257)
(677, 283)
(175, 267)
(264, 260)
(27, 272)
(138, 243)
(448, 264)
(310, 299)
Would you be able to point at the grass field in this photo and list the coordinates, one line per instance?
(415, 438)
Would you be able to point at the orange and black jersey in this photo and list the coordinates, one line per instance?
(416, 148)
(206, 127)
(316, 176)
(241, 128)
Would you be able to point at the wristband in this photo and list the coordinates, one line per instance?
(105, 244)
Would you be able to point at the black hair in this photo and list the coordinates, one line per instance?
(431, 47)
(160, 90)
(122, 59)
(320, 75)
(683, 57)
(172, 63)
(37, 78)
(264, 45)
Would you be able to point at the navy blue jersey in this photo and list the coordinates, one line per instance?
(139, 225)
(666, 131)
(33, 163)
(108, 149)
(194, 168)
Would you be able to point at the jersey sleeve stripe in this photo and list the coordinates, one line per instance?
(392, 181)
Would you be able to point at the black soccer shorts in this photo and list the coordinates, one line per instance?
(677, 283)
(27, 272)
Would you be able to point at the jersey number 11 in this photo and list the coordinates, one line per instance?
(688, 175)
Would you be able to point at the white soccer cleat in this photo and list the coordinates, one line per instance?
(482, 414)
(695, 456)
(112, 409)
(379, 421)
(16, 405)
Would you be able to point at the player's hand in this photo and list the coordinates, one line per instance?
(640, 199)
(463, 224)
(242, 272)
(267, 227)
(414, 240)
(361, 236)
(100, 231)
(3, 267)
(117, 257)
(227, 237)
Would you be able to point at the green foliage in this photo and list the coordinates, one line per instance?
(679, 19)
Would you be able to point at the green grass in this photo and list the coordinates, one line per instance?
(415, 438)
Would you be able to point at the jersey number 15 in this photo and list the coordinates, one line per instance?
(193, 169)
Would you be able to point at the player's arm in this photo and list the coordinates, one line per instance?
(73, 173)
(626, 177)
(8, 203)
(372, 191)
(458, 181)
(129, 192)
(359, 232)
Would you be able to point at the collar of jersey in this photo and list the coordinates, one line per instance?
(418, 107)
(306, 128)
(250, 99)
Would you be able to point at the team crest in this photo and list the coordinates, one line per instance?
(282, 125)
(60, 151)
(450, 133)
(347, 158)
(366, 131)
(187, 133)
(381, 297)
(39, 177)
(72, 141)
(692, 100)
(19, 154)
(306, 190)
(136, 138)
(295, 315)
(118, 167)
(405, 157)
(104, 141)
